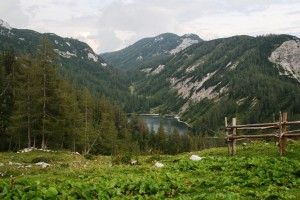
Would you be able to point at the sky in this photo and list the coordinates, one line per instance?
(110, 25)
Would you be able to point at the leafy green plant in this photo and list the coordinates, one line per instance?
(214, 177)
(89, 156)
(41, 159)
(121, 159)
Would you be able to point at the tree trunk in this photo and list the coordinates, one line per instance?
(28, 113)
(86, 124)
(44, 110)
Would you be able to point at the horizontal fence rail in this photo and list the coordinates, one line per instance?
(282, 133)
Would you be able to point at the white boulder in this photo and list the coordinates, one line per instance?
(43, 164)
(158, 164)
(196, 158)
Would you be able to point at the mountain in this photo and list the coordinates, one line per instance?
(250, 77)
(149, 50)
(78, 61)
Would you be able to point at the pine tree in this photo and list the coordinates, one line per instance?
(87, 107)
(107, 133)
(174, 142)
(7, 65)
(186, 142)
(72, 116)
(161, 136)
(25, 96)
(66, 133)
(45, 60)
(152, 138)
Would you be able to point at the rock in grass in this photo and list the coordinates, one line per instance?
(196, 158)
(157, 164)
(43, 164)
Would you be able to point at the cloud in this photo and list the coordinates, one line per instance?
(128, 22)
(11, 12)
(209, 19)
(108, 25)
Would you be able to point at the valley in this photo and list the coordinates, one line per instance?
(73, 123)
(199, 81)
(149, 100)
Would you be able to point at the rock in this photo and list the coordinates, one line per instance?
(12, 163)
(288, 57)
(43, 164)
(134, 162)
(158, 164)
(196, 158)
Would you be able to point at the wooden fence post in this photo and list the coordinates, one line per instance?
(227, 135)
(280, 131)
(234, 132)
(282, 137)
(282, 127)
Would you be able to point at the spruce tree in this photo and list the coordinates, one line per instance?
(25, 99)
(87, 106)
(161, 136)
(46, 62)
(7, 65)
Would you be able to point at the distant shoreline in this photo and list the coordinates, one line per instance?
(170, 116)
(149, 114)
(178, 119)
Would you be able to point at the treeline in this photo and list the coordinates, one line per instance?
(40, 109)
(256, 90)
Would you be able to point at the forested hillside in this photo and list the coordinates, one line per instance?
(77, 62)
(252, 78)
(150, 50)
(58, 93)
(41, 109)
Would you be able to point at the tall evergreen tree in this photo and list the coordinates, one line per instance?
(7, 65)
(46, 61)
(174, 142)
(87, 105)
(161, 136)
(25, 99)
(71, 118)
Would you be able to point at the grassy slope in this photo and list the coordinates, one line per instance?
(257, 172)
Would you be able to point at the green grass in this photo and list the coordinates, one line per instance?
(256, 172)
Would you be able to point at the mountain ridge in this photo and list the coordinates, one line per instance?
(150, 49)
(77, 59)
(226, 77)
(202, 82)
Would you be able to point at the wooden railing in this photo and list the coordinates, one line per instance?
(282, 133)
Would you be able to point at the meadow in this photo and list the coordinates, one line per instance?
(256, 172)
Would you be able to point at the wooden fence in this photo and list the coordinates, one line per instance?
(282, 132)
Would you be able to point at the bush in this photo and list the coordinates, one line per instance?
(121, 159)
(153, 158)
(41, 159)
(89, 157)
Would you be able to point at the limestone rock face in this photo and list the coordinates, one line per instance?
(287, 56)
(193, 90)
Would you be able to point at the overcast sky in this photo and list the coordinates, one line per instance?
(109, 25)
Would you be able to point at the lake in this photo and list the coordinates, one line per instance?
(169, 122)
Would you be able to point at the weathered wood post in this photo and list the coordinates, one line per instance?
(234, 133)
(227, 135)
(280, 131)
(283, 130)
